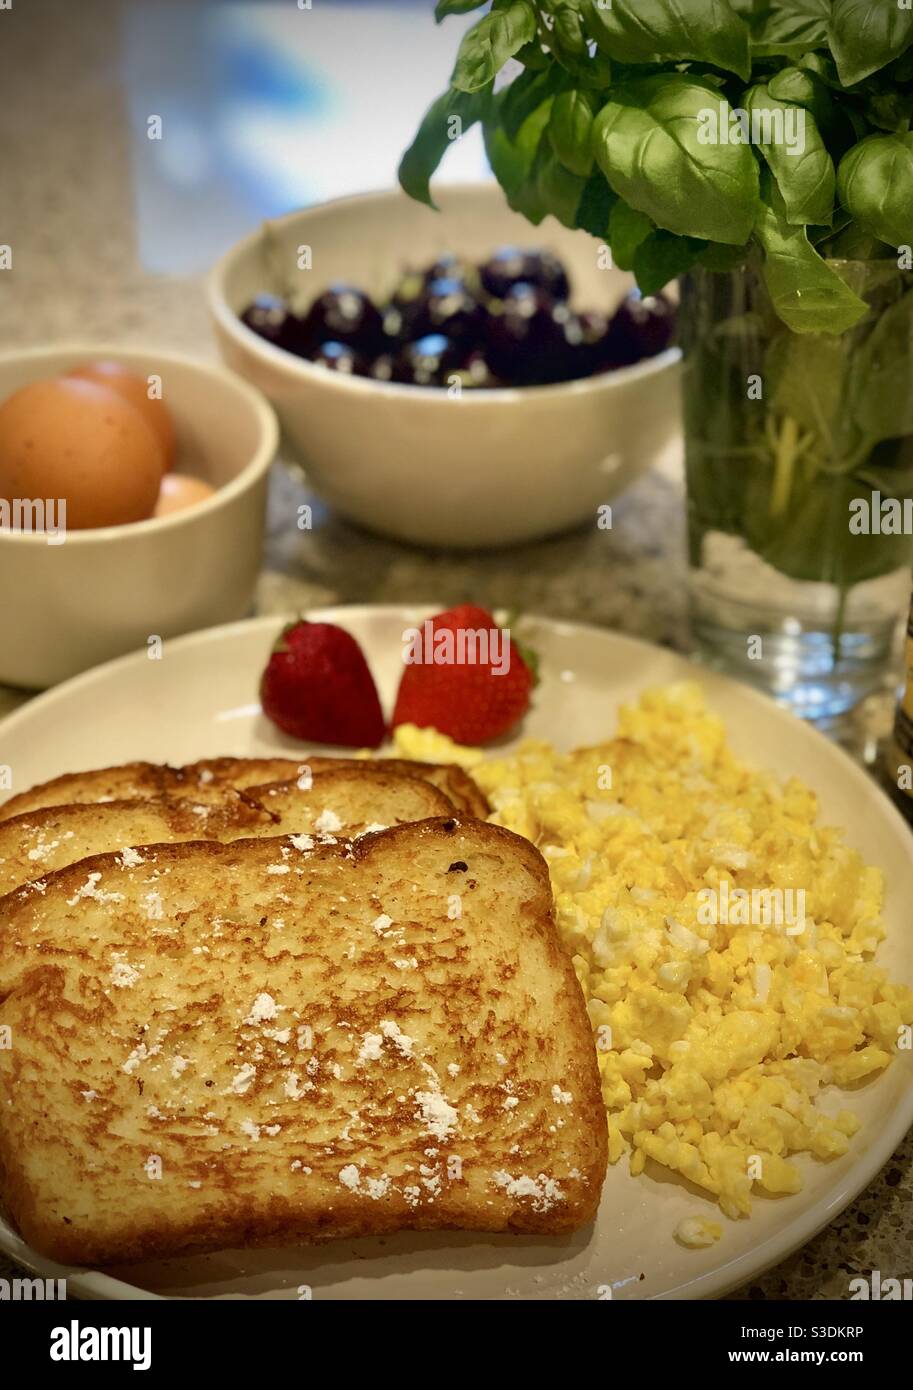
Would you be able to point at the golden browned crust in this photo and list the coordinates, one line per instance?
(37, 843)
(490, 1061)
(206, 781)
(122, 783)
(369, 791)
(457, 785)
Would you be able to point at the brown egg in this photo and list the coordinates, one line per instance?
(180, 491)
(134, 389)
(75, 440)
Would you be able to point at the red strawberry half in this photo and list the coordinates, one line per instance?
(317, 687)
(463, 676)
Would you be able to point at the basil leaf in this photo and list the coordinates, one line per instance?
(804, 87)
(866, 35)
(514, 160)
(723, 258)
(840, 220)
(559, 190)
(807, 294)
(824, 68)
(627, 229)
(542, 193)
(902, 69)
(875, 183)
(651, 31)
(595, 207)
(533, 57)
(662, 258)
(434, 137)
(647, 141)
(568, 36)
(644, 31)
(812, 85)
(890, 110)
(524, 96)
(881, 400)
(793, 84)
(488, 45)
(568, 41)
(791, 28)
(524, 196)
(445, 7)
(804, 378)
(811, 538)
(852, 243)
(569, 129)
(806, 180)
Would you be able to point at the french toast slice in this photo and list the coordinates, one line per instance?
(456, 784)
(268, 1043)
(205, 781)
(340, 801)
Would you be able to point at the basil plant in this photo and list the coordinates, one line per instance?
(697, 133)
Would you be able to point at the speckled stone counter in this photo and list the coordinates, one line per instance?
(68, 213)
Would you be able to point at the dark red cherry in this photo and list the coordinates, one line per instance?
(340, 357)
(343, 314)
(514, 265)
(271, 319)
(588, 344)
(528, 338)
(448, 267)
(448, 307)
(430, 361)
(641, 327)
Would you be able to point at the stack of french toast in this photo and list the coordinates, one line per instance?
(268, 1001)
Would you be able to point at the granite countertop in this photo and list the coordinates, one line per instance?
(69, 217)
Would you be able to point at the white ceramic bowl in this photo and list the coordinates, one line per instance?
(487, 468)
(104, 592)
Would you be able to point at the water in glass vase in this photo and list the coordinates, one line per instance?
(799, 460)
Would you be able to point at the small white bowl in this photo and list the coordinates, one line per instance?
(488, 468)
(105, 592)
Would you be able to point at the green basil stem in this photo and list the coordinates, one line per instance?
(784, 466)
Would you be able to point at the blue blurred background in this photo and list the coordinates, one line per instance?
(266, 106)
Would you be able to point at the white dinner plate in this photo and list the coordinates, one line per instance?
(200, 699)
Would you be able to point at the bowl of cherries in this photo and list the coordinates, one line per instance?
(440, 379)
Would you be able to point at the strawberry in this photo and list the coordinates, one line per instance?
(451, 680)
(317, 687)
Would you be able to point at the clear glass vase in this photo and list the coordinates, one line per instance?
(799, 460)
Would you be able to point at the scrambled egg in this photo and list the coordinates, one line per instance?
(714, 1038)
